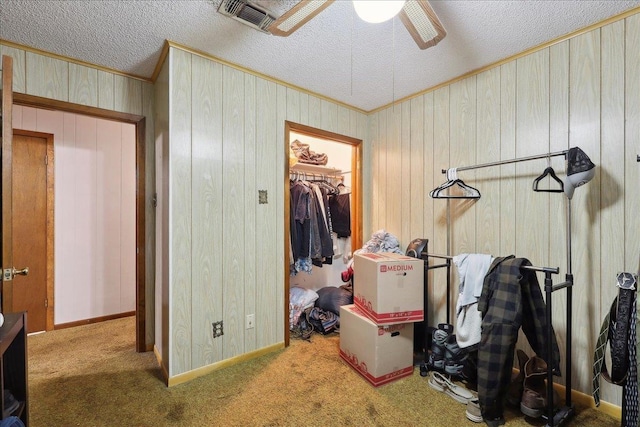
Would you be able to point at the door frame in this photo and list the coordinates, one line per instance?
(7, 290)
(140, 124)
(356, 197)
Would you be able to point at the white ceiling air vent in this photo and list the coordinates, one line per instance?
(248, 13)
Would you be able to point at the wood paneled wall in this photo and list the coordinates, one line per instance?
(52, 77)
(583, 92)
(226, 251)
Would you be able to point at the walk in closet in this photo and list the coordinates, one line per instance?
(322, 163)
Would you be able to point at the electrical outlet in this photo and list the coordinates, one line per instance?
(218, 330)
(251, 321)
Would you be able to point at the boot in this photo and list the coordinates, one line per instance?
(534, 396)
(437, 349)
(516, 387)
(454, 357)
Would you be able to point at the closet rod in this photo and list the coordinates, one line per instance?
(332, 173)
(314, 175)
(504, 162)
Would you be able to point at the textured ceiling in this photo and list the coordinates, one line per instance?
(335, 55)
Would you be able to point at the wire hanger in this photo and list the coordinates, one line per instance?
(468, 192)
(550, 172)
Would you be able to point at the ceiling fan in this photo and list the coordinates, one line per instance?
(416, 15)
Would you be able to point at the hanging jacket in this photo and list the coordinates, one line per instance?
(511, 298)
(341, 214)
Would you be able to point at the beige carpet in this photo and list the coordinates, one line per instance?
(91, 376)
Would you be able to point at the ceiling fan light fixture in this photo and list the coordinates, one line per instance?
(376, 11)
(297, 16)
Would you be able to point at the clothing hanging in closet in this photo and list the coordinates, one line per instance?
(311, 225)
(341, 214)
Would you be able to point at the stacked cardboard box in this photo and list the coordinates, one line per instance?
(376, 332)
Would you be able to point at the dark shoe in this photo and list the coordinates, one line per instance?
(493, 414)
(495, 422)
(516, 387)
(534, 396)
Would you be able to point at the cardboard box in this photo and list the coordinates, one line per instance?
(389, 287)
(380, 353)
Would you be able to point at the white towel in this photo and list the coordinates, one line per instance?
(472, 268)
(468, 326)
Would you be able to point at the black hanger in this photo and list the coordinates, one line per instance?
(548, 171)
(468, 191)
(332, 189)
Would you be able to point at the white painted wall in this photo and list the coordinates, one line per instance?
(94, 212)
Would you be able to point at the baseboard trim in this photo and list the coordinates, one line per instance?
(199, 372)
(586, 401)
(93, 320)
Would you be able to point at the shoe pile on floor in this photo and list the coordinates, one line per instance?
(447, 362)
(445, 355)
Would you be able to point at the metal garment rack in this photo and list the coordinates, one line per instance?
(447, 265)
(554, 418)
(426, 332)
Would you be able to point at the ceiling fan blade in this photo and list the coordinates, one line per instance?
(297, 16)
(423, 23)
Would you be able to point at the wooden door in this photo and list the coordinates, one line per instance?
(32, 226)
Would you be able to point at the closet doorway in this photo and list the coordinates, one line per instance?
(342, 170)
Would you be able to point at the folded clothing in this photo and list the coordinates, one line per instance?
(305, 155)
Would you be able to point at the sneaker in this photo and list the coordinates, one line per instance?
(443, 384)
(473, 412)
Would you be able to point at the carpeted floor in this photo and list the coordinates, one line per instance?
(92, 376)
